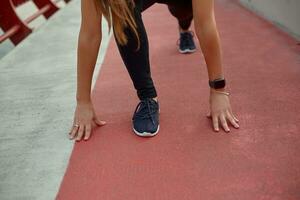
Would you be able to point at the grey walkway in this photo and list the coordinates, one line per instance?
(37, 101)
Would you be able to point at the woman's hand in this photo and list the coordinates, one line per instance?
(220, 110)
(85, 120)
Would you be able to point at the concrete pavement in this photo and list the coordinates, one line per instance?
(37, 100)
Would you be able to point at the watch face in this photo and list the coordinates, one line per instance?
(217, 84)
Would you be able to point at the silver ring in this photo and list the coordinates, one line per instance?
(76, 125)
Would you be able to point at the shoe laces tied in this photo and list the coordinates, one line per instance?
(186, 38)
(146, 110)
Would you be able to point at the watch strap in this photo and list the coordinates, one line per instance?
(217, 83)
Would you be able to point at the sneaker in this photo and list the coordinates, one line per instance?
(186, 42)
(146, 118)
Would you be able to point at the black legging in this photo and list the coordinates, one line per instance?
(137, 62)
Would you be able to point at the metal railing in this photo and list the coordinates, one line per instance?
(13, 26)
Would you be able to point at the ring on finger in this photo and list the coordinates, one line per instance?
(76, 125)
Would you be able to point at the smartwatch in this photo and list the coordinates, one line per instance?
(217, 83)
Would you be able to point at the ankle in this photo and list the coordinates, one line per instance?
(184, 31)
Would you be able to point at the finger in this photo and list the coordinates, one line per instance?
(73, 132)
(74, 122)
(80, 132)
(224, 123)
(71, 129)
(208, 115)
(236, 119)
(99, 122)
(88, 130)
(215, 123)
(232, 120)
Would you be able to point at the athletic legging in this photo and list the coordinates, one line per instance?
(137, 61)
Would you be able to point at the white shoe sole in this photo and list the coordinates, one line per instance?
(187, 51)
(145, 134)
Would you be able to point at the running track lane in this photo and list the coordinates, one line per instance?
(187, 160)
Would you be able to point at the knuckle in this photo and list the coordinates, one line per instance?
(223, 111)
(88, 130)
(230, 115)
(78, 137)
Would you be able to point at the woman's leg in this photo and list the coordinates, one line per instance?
(137, 61)
(183, 11)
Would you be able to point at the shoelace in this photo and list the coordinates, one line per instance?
(145, 113)
(186, 38)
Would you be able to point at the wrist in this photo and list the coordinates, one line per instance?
(220, 89)
(217, 84)
(83, 100)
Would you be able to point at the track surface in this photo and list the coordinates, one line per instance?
(187, 160)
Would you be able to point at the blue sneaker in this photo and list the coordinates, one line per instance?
(186, 43)
(146, 118)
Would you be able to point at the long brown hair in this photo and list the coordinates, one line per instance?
(119, 15)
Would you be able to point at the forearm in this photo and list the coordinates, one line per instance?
(210, 45)
(88, 48)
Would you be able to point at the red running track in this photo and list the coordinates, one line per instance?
(187, 160)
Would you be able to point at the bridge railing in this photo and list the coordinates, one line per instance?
(13, 26)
